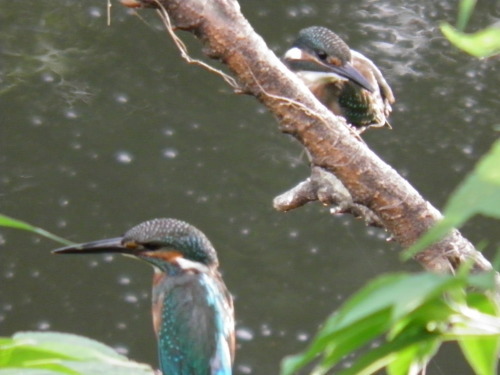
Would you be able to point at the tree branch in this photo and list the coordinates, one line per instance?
(375, 191)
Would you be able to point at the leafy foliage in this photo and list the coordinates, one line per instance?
(409, 316)
(479, 193)
(483, 43)
(53, 353)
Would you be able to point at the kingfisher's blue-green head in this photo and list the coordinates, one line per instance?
(157, 241)
(320, 52)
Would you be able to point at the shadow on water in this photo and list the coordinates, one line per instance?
(104, 127)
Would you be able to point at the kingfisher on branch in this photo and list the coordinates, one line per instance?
(345, 81)
(193, 314)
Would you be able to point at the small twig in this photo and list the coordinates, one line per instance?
(109, 12)
(184, 53)
(324, 187)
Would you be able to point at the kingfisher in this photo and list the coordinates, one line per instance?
(193, 315)
(345, 81)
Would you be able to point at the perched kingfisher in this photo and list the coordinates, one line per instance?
(192, 309)
(346, 82)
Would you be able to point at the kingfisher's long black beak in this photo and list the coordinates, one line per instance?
(110, 245)
(300, 60)
(352, 74)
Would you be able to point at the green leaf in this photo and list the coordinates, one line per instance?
(479, 193)
(354, 337)
(481, 353)
(59, 353)
(377, 358)
(28, 371)
(69, 346)
(6, 221)
(483, 43)
(465, 9)
(413, 358)
(369, 313)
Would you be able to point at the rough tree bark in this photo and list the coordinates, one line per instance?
(375, 191)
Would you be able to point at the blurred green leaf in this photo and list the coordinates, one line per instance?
(479, 193)
(6, 221)
(482, 43)
(27, 371)
(381, 304)
(383, 355)
(69, 345)
(60, 353)
(465, 9)
(412, 359)
(481, 353)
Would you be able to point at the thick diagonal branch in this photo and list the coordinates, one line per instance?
(226, 35)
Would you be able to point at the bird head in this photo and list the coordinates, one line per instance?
(159, 242)
(318, 49)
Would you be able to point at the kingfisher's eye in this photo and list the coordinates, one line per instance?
(322, 54)
(151, 246)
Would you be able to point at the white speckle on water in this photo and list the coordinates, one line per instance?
(43, 325)
(70, 114)
(124, 157)
(244, 369)
(265, 330)
(95, 12)
(170, 153)
(131, 298)
(124, 280)
(121, 98)
(244, 334)
(302, 336)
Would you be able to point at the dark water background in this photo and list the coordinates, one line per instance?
(104, 127)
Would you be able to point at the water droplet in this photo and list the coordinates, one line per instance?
(71, 114)
(121, 98)
(170, 153)
(244, 369)
(467, 149)
(245, 231)
(48, 77)
(95, 12)
(131, 298)
(202, 199)
(124, 157)
(43, 325)
(124, 280)
(168, 132)
(63, 202)
(293, 233)
(265, 330)
(244, 334)
(62, 223)
(302, 336)
(76, 146)
(36, 120)
(35, 274)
